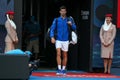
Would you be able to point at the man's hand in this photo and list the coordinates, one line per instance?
(53, 40)
(69, 23)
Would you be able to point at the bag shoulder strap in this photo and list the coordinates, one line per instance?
(56, 21)
(70, 29)
(71, 19)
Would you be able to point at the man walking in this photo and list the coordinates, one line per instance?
(62, 27)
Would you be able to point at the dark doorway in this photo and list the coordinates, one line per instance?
(45, 11)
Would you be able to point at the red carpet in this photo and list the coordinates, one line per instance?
(74, 74)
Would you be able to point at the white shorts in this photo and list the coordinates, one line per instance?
(62, 44)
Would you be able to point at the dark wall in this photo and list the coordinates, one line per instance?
(2, 38)
(84, 44)
(18, 20)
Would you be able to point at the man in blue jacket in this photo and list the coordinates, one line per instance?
(62, 26)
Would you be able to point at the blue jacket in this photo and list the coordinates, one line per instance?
(60, 25)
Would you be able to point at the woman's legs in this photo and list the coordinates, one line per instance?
(109, 64)
(105, 64)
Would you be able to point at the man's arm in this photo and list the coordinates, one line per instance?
(52, 28)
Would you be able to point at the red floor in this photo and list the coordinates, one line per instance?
(76, 74)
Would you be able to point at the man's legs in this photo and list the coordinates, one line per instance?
(64, 62)
(29, 48)
(62, 45)
(36, 48)
(64, 48)
(59, 58)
